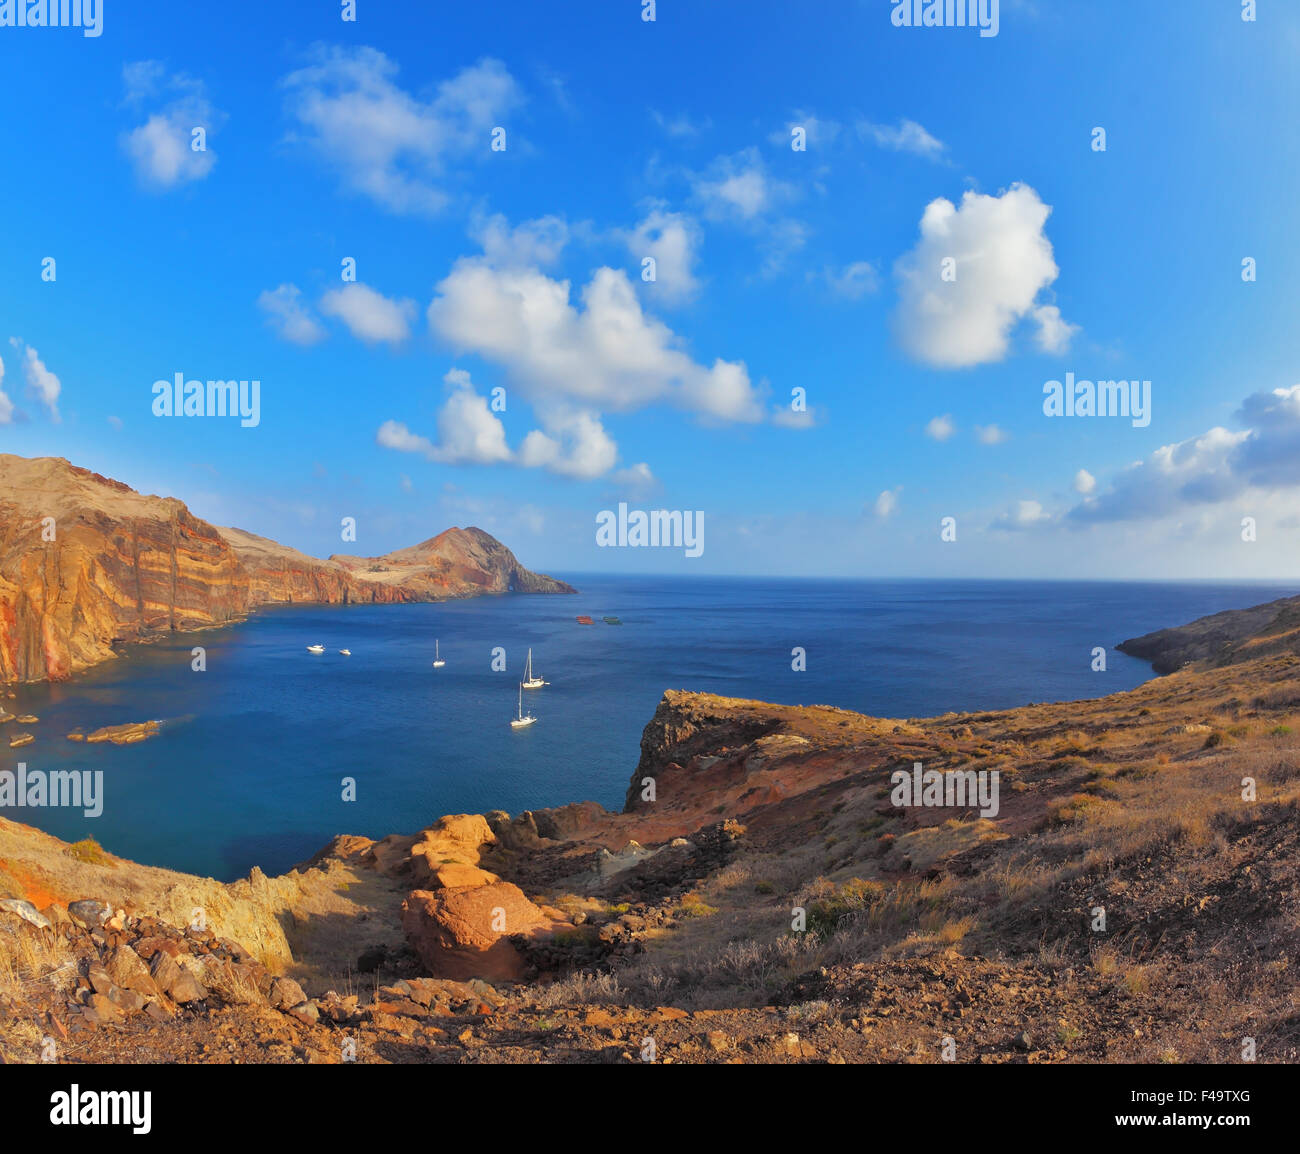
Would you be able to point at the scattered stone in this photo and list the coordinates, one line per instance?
(90, 913)
(26, 911)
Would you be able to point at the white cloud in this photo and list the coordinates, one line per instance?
(853, 281)
(162, 148)
(940, 428)
(906, 136)
(991, 435)
(637, 480)
(41, 383)
(1003, 261)
(574, 444)
(887, 502)
(6, 405)
(604, 353)
(1025, 515)
(818, 133)
(369, 315)
(1054, 331)
(1084, 482)
(673, 240)
(289, 317)
(1260, 461)
(385, 143)
(531, 242)
(395, 435)
(739, 187)
(571, 442)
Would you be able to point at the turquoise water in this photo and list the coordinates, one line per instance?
(249, 767)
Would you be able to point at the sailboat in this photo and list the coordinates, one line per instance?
(315, 649)
(530, 681)
(523, 718)
(438, 662)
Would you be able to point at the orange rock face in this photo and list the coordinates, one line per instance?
(463, 933)
(87, 563)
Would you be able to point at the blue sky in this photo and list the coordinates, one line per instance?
(521, 269)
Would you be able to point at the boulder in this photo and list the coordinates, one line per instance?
(26, 911)
(285, 994)
(177, 983)
(128, 970)
(463, 933)
(90, 913)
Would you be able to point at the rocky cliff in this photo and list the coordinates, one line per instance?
(87, 563)
(1222, 638)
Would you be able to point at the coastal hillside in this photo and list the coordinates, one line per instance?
(1134, 896)
(88, 564)
(1223, 638)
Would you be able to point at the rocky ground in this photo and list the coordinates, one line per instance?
(760, 899)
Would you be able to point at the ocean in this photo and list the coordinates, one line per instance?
(250, 766)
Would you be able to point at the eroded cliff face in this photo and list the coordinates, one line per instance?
(87, 563)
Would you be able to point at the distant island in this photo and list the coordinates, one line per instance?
(87, 563)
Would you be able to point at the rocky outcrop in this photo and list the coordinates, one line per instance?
(1222, 638)
(465, 932)
(88, 564)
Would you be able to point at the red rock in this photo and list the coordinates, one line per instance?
(455, 934)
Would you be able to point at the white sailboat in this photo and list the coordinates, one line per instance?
(315, 649)
(346, 652)
(438, 662)
(530, 681)
(523, 718)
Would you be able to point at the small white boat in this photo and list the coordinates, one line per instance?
(346, 652)
(438, 662)
(523, 718)
(530, 681)
(315, 649)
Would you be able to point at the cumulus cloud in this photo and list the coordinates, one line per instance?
(1084, 482)
(1218, 466)
(162, 149)
(853, 281)
(991, 435)
(369, 315)
(531, 242)
(574, 444)
(385, 143)
(291, 319)
(1002, 260)
(906, 136)
(603, 352)
(1054, 331)
(42, 384)
(6, 405)
(1025, 515)
(887, 502)
(739, 186)
(571, 443)
(940, 428)
(673, 240)
(469, 433)
(637, 480)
